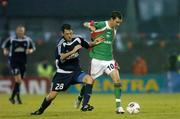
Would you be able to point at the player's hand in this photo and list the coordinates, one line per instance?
(98, 40)
(5, 52)
(76, 48)
(29, 51)
(87, 24)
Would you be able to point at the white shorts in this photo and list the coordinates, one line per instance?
(98, 67)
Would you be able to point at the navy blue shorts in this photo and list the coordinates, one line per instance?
(18, 68)
(62, 81)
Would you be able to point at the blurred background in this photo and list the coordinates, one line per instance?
(147, 45)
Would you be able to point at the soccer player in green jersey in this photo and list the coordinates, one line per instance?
(102, 55)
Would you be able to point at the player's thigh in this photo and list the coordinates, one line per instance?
(82, 77)
(16, 72)
(88, 79)
(22, 68)
(61, 82)
(96, 68)
(78, 76)
(109, 66)
(112, 70)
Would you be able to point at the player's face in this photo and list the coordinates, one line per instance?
(116, 22)
(20, 31)
(68, 34)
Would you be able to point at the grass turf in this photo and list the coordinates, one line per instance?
(153, 106)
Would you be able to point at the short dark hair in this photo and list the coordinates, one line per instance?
(65, 26)
(116, 14)
(20, 26)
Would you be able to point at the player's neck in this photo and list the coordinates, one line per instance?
(19, 37)
(110, 23)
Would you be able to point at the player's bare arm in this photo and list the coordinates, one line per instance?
(63, 56)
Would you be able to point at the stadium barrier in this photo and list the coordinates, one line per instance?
(130, 84)
(160, 83)
(30, 85)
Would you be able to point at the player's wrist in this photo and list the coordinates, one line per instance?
(89, 24)
(91, 44)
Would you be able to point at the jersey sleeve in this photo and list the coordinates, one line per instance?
(6, 43)
(57, 56)
(59, 49)
(84, 43)
(99, 25)
(32, 44)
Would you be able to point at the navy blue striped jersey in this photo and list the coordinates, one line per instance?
(17, 48)
(72, 62)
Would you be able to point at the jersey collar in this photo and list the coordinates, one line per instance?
(107, 25)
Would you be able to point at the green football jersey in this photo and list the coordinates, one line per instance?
(104, 50)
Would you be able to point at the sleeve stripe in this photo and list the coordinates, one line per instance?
(59, 46)
(33, 44)
(79, 40)
(5, 43)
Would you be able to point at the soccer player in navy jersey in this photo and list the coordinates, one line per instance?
(68, 69)
(17, 47)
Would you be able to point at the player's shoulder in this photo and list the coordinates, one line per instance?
(78, 38)
(100, 22)
(60, 41)
(27, 37)
(11, 37)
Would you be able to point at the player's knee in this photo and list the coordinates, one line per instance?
(18, 78)
(89, 80)
(50, 97)
(115, 76)
(18, 81)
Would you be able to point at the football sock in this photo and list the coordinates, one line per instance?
(18, 92)
(81, 93)
(87, 93)
(44, 105)
(15, 90)
(117, 93)
(18, 97)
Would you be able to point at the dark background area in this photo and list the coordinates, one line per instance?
(151, 28)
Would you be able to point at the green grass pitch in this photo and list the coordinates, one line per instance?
(153, 106)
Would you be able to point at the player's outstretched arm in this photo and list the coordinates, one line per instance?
(89, 25)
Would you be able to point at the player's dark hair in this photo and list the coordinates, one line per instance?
(65, 26)
(116, 14)
(20, 26)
